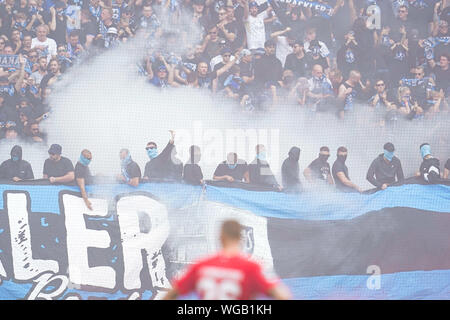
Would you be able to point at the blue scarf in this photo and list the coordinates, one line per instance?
(152, 153)
(420, 4)
(425, 150)
(261, 156)
(322, 9)
(413, 82)
(124, 163)
(388, 155)
(84, 161)
(232, 166)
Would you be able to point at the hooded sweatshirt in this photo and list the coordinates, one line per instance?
(20, 168)
(290, 172)
(192, 173)
(381, 172)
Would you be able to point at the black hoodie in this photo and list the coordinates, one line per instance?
(162, 167)
(192, 173)
(290, 172)
(381, 172)
(20, 168)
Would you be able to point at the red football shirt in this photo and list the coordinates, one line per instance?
(222, 277)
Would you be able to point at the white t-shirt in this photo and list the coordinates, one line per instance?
(283, 49)
(256, 31)
(49, 43)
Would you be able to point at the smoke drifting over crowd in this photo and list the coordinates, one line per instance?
(104, 105)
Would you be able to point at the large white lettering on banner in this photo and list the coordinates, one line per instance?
(127, 247)
(24, 266)
(139, 225)
(144, 225)
(79, 238)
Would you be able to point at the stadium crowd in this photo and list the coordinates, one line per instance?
(388, 56)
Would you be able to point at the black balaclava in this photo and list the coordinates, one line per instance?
(294, 154)
(194, 155)
(16, 151)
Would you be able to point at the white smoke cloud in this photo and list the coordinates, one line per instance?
(104, 105)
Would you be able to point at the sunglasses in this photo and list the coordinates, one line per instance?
(227, 55)
(380, 84)
(418, 74)
(149, 148)
(213, 32)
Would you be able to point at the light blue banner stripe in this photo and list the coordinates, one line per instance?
(415, 285)
(399, 286)
(307, 206)
(333, 206)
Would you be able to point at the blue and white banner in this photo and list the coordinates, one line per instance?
(392, 244)
(321, 8)
(11, 61)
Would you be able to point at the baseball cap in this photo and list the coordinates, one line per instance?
(253, 4)
(55, 149)
(162, 68)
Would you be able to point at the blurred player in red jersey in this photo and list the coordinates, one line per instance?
(229, 274)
